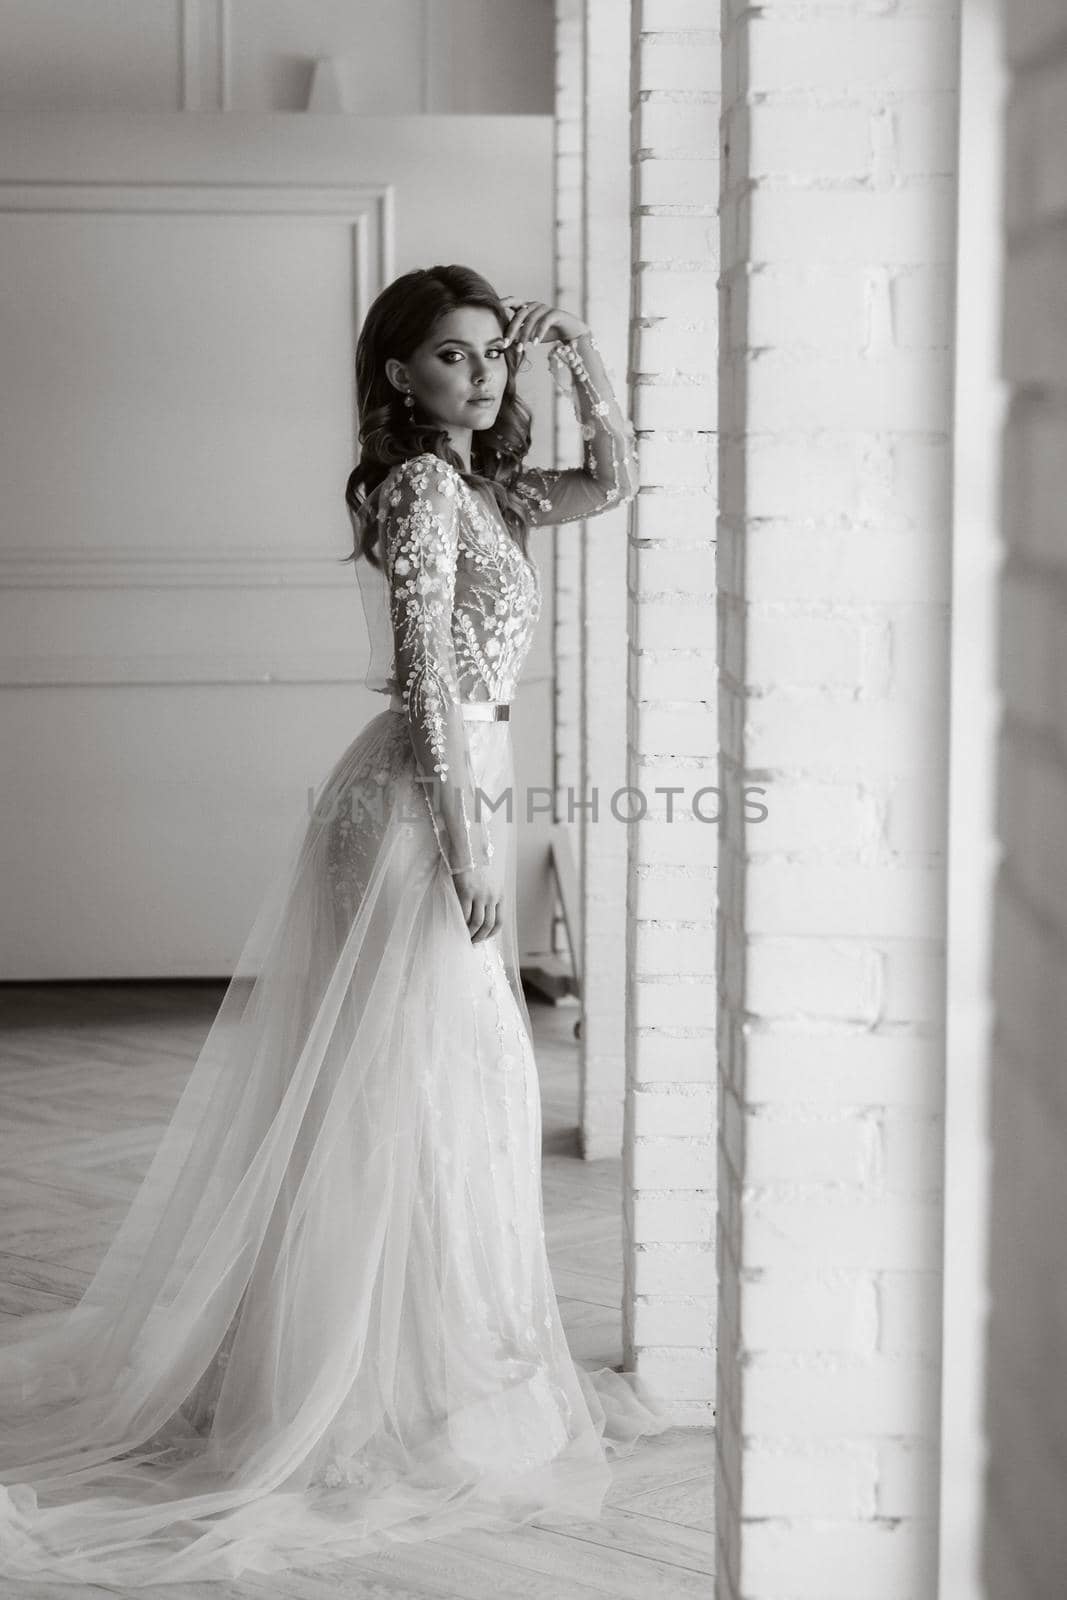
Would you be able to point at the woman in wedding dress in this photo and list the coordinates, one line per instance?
(327, 1321)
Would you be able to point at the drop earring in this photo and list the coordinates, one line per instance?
(409, 399)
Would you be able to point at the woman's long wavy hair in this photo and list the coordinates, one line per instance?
(401, 317)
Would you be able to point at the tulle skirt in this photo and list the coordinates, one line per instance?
(327, 1321)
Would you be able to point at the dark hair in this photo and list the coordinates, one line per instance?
(401, 317)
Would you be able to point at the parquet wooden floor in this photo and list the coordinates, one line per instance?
(88, 1075)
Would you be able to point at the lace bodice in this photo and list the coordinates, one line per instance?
(461, 599)
(453, 567)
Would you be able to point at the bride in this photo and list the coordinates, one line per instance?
(327, 1321)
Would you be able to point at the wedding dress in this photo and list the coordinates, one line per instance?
(327, 1321)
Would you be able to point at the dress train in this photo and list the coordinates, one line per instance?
(327, 1322)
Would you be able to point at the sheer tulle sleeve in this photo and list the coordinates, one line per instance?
(608, 475)
(420, 543)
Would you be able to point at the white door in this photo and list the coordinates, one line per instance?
(181, 653)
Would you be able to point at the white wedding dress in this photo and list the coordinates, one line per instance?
(327, 1321)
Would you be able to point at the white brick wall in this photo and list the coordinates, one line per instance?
(566, 540)
(669, 1312)
(837, 228)
(1025, 1543)
(602, 560)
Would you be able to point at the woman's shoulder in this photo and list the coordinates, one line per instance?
(423, 476)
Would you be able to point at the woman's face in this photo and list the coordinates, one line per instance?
(459, 372)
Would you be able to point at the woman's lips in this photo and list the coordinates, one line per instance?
(483, 400)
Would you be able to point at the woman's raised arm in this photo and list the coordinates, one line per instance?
(608, 475)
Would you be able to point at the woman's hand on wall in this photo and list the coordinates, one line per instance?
(533, 321)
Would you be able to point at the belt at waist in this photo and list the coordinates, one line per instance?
(470, 710)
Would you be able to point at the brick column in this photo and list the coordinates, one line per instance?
(669, 1159)
(566, 539)
(602, 554)
(838, 238)
(1025, 1532)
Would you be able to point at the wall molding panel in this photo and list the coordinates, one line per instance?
(119, 566)
(53, 593)
(181, 642)
(368, 211)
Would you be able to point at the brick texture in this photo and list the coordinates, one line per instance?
(601, 549)
(566, 542)
(670, 1146)
(834, 407)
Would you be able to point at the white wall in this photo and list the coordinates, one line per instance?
(838, 249)
(669, 1159)
(162, 596)
(398, 57)
(127, 61)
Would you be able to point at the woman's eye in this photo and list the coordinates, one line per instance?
(498, 350)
